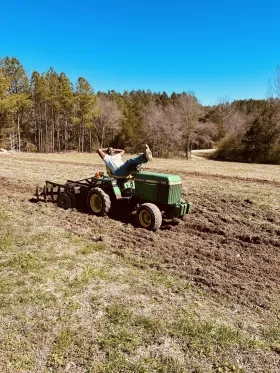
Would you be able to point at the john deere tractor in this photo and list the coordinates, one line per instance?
(151, 195)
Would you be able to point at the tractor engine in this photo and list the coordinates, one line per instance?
(164, 190)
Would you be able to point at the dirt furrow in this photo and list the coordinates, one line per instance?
(223, 246)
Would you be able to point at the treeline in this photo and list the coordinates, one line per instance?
(47, 113)
(254, 134)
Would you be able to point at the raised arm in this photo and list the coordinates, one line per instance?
(102, 152)
(119, 151)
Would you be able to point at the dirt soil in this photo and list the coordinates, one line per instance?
(228, 245)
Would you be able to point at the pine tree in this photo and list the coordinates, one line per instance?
(17, 100)
(66, 105)
(85, 102)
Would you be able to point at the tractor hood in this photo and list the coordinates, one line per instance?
(156, 178)
(161, 189)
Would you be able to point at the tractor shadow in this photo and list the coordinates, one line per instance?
(125, 214)
(121, 212)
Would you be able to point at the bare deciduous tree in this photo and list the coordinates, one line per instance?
(189, 110)
(204, 135)
(106, 121)
(161, 129)
(277, 82)
(154, 127)
(236, 124)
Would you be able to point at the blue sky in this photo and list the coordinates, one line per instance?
(214, 48)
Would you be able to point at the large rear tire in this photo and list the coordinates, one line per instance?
(98, 202)
(148, 216)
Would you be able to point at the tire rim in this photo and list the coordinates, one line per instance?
(145, 218)
(95, 203)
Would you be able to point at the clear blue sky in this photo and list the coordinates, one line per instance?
(214, 48)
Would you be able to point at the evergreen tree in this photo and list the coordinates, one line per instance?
(40, 112)
(262, 137)
(85, 102)
(17, 101)
(66, 106)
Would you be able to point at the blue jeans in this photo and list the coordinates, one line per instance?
(130, 165)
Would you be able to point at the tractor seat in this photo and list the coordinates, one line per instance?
(109, 172)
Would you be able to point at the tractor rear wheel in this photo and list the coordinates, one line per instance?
(148, 216)
(98, 202)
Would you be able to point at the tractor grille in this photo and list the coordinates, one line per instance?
(169, 193)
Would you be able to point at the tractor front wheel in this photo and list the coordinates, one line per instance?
(148, 216)
(98, 202)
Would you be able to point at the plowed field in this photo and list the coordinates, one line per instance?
(228, 248)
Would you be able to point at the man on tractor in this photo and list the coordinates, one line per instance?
(113, 160)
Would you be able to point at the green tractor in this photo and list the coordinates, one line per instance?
(150, 195)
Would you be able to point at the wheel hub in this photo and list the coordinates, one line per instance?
(95, 203)
(145, 218)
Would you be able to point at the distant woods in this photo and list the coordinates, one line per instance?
(47, 113)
